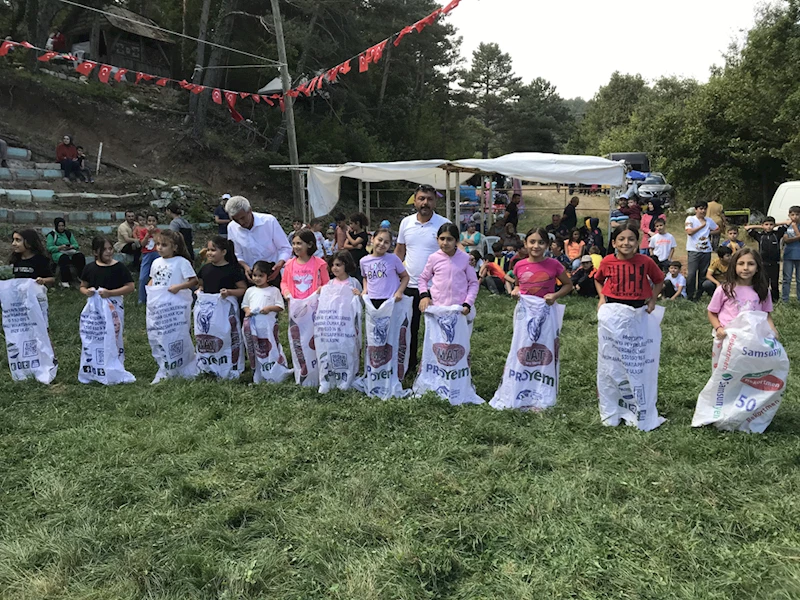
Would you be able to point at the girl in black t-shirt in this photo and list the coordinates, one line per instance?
(222, 274)
(28, 258)
(106, 276)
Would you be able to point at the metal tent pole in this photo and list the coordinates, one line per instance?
(448, 207)
(368, 194)
(360, 197)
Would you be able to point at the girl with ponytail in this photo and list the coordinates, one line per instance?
(222, 274)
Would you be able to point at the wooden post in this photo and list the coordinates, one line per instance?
(448, 207)
(360, 197)
(368, 194)
(99, 157)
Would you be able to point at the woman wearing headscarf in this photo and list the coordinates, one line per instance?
(654, 211)
(67, 157)
(64, 249)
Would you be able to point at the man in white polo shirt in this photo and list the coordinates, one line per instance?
(256, 236)
(416, 241)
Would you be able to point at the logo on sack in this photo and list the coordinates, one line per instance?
(176, 349)
(381, 330)
(263, 347)
(763, 381)
(448, 355)
(535, 355)
(528, 399)
(536, 323)
(443, 391)
(727, 376)
(379, 355)
(13, 351)
(205, 311)
(447, 323)
(770, 342)
(208, 344)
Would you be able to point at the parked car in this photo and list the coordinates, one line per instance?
(656, 186)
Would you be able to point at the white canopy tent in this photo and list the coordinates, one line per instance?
(324, 181)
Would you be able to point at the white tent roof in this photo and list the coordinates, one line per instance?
(323, 182)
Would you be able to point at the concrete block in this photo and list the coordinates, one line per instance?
(49, 215)
(46, 230)
(160, 203)
(19, 196)
(19, 153)
(89, 196)
(52, 173)
(101, 216)
(78, 217)
(26, 174)
(204, 225)
(105, 229)
(47, 166)
(26, 216)
(119, 216)
(3, 214)
(42, 195)
(5, 173)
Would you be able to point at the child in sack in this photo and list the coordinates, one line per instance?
(305, 273)
(448, 279)
(537, 275)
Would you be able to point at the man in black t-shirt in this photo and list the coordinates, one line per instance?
(570, 219)
(512, 211)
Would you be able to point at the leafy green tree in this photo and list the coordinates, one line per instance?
(539, 121)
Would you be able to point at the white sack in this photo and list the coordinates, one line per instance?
(168, 331)
(386, 360)
(445, 367)
(30, 353)
(628, 354)
(301, 340)
(264, 348)
(530, 377)
(749, 377)
(337, 337)
(218, 336)
(102, 350)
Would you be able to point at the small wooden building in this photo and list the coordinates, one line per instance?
(122, 39)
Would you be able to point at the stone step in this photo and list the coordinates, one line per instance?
(49, 196)
(21, 174)
(19, 153)
(105, 221)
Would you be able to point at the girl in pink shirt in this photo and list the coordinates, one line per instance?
(305, 273)
(448, 278)
(745, 288)
(537, 275)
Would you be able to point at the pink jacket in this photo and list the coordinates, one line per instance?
(452, 280)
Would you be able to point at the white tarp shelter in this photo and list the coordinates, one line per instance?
(323, 181)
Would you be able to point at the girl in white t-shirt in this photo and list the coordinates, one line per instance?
(173, 269)
(264, 297)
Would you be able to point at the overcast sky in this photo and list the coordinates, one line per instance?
(578, 44)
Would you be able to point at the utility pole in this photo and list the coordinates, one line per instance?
(297, 189)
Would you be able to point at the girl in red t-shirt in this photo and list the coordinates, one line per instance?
(628, 277)
(537, 275)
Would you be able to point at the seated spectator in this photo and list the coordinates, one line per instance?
(717, 270)
(558, 254)
(583, 278)
(65, 251)
(492, 276)
(498, 257)
(555, 229)
(470, 239)
(127, 243)
(596, 254)
(618, 215)
(591, 233)
(475, 261)
(674, 282)
(574, 248)
(180, 225)
(632, 210)
(509, 237)
(67, 157)
(3, 154)
(83, 171)
(520, 254)
(498, 229)
(221, 218)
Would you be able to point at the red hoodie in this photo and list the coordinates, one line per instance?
(65, 152)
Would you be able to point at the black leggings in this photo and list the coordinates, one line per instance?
(633, 303)
(77, 260)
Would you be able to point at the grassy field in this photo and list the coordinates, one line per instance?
(228, 490)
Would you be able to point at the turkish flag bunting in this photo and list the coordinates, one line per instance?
(185, 84)
(377, 50)
(344, 68)
(244, 95)
(47, 56)
(363, 63)
(403, 33)
(268, 100)
(446, 10)
(27, 45)
(162, 82)
(103, 73)
(429, 20)
(5, 47)
(86, 67)
(143, 76)
(230, 98)
(234, 114)
(331, 74)
(282, 103)
(293, 93)
(119, 75)
(216, 96)
(319, 82)
(196, 89)
(256, 98)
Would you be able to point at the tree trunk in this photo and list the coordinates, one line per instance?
(200, 58)
(222, 36)
(183, 39)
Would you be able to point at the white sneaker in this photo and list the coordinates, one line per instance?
(64, 284)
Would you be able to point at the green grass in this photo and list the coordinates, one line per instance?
(228, 490)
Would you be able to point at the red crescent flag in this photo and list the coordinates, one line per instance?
(5, 47)
(143, 76)
(27, 45)
(47, 56)
(86, 67)
(243, 95)
(403, 33)
(119, 75)
(162, 82)
(103, 73)
(268, 100)
(196, 89)
(363, 63)
(292, 93)
(256, 98)
(230, 98)
(184, 84)
(446, 10)
(377, 50)
(235, 115)
(216, 96)
(282, 103)
(344, 68)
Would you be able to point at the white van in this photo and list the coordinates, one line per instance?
(787, 194)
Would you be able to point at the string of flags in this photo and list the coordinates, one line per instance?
(229, 98)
